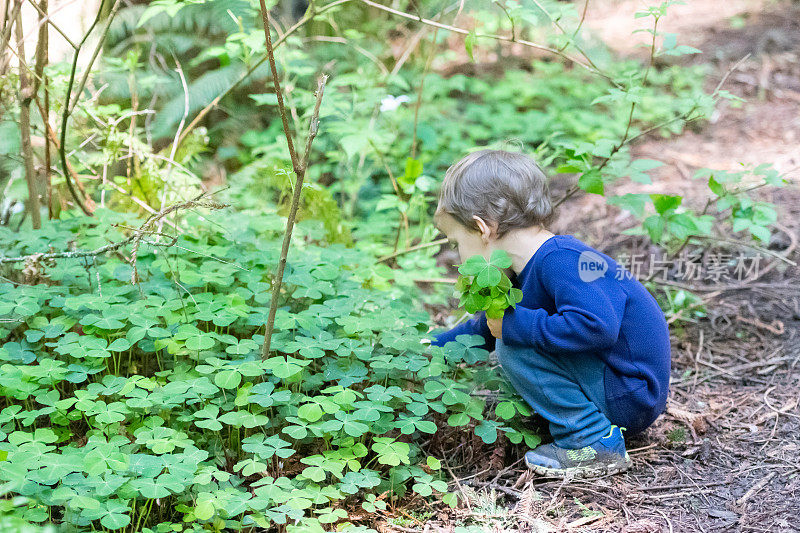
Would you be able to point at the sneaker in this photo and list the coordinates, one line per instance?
(606, 456)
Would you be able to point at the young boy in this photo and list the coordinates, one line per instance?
(588, 346)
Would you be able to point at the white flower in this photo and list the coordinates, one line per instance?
(390, 103)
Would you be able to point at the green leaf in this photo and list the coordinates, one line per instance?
(120, 345)
(285, 368)
(115, 520)
(469, 44)
(458, 419)
(505, 410)
(654, 225)
(664, 202)
(761, 233)
(450, 499)
(228, 379)
(413, 171)
(715, 186)
(631, 202)
(391, 452)
(204, 509)
(592, 182)
(310, 411)
(500, 259)
(487, 431)
(200, 342)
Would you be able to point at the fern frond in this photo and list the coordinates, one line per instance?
(193, 26)
(201, 92)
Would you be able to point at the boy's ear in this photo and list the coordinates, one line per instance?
(487, 230)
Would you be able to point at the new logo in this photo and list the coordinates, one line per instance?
(591, 266)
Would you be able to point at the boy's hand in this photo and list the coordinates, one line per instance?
(496, 326)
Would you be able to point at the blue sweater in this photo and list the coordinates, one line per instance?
(577, 299)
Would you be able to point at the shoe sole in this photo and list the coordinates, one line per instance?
(582, 472)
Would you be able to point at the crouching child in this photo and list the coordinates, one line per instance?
(588, 346)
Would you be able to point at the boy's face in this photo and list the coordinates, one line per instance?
(469, 242)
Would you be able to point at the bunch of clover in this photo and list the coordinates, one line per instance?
(483, 286)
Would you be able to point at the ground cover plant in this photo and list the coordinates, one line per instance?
(133, 390)
(130, 406)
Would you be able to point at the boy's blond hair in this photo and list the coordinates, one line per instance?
(508, 188)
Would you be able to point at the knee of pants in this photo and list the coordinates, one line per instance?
(516, 358)
(519, 366)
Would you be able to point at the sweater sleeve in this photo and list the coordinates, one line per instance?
(474, 326)
(588, 314)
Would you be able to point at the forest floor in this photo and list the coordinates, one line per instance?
(724, 455)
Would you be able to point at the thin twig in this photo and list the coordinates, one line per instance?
(197, 201)
(627, 140)
(65, 117)
(47, 18)
(97, 48)
(462, 31)
(414, 248)
(310, 14)
(138, 234)
(299, 166)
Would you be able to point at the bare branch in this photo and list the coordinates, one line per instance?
(299, 165)
(198, 201)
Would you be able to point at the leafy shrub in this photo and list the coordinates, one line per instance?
(127, 406)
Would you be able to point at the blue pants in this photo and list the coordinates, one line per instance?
(567, 390)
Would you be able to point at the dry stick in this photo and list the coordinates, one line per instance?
(174, 149)
(51, 135)
(41, 47)
(400, 194)
(198, 201)
(564, 32)
(299, 170)
(152, 219)
(412, 249)
(419, 94)
(580, 25)
(458, 482)
(42, 58)
(363, 155)
(25, 96)
(5, 38)
(755, 488)
(575, 188)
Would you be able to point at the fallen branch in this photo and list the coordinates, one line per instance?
(139, 232)
(755, 488)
